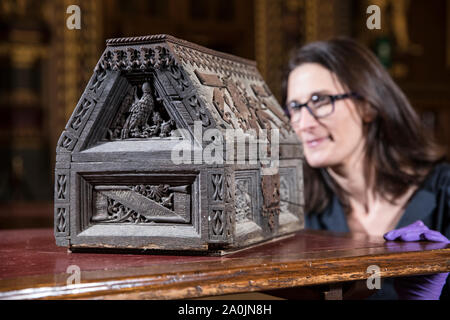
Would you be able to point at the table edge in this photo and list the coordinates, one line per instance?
(248, 278)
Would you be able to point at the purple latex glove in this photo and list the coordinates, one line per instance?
(427, 287)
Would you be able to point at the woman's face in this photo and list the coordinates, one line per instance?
(334, 140)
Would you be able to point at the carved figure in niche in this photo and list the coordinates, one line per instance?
(284, 194)
(243, 201)
(142, 117)
(136, 123)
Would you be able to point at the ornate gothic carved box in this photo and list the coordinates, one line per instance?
(173, 146)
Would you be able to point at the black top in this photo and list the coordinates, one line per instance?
(430, 203)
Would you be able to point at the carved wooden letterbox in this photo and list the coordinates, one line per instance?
(174, 146)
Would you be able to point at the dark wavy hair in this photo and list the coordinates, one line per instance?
(398, 147)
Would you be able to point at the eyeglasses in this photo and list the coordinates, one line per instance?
(319, 105)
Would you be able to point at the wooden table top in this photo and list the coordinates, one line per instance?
(33, 267)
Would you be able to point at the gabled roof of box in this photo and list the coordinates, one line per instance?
(159, 38)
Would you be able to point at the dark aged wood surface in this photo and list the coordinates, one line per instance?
(120, 181)
(33, 267)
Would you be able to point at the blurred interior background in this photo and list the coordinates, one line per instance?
(44, 66)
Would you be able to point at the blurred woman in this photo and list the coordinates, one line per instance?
(370, 165)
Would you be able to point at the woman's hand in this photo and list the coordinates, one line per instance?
(415, 232)
(427, 287)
